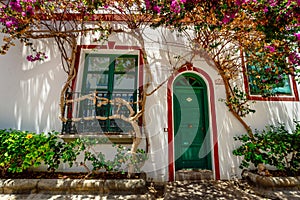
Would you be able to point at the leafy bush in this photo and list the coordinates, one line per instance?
(275, 146)
(123, 159)
(20, 150)
(66, 152)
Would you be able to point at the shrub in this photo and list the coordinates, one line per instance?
(274, 145)
(122, 160)
(20, 150)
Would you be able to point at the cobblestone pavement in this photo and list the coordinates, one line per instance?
(209, 189)
(205, 189)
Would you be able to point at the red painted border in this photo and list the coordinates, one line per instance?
(211, 95)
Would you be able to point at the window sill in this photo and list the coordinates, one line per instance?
(274, 98)
(103, 138)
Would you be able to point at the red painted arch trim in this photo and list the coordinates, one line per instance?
(211, 95)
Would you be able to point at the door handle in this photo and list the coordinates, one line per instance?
(190, 126)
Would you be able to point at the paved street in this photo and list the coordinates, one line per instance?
(209, 189)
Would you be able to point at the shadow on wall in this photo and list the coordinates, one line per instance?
(32, 90)
(229, 164)
(267, 113)
(274, 112)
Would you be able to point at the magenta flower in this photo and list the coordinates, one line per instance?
(38, 57)
(294, 58)
(226, 19)
(156, 9)
(273, 3)
(297, 35)
(175, 7)
(16, 6)
(240, 2)
(29, 10)
(270, 48)
(266, 9)
(8, 23)
(148, 4)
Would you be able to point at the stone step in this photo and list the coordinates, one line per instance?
(193, 175)
(43, 196)
(73, 186)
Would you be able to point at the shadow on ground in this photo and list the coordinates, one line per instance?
(210, 189)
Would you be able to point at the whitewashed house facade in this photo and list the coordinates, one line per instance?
(188, 125)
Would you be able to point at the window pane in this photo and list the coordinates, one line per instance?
(96, 81)
(113, 76)
(124, 81)
(283, 87)
(125, 65)
(98, 63)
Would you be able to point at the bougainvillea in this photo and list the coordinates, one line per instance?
(234, 33)
(263, 33)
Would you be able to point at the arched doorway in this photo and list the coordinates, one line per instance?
(191, 123)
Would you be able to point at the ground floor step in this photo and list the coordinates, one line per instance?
(193, 175)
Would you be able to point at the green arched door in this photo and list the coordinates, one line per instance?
(191, 140)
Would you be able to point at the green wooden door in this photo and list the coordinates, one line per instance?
(190, 123)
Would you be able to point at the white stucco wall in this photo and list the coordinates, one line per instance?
(30, 98)
(30, 91)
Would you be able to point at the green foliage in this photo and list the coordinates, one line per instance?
(275, 146)
(20, 150)
(122, 160)
(62, 151)
(239, 102)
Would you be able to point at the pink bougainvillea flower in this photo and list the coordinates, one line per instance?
(8, 24)
(175, 7)
(297, 35)
(148, 4)
(270, 48)
(156, 9)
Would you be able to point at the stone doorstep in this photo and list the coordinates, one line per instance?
(10, 186)
(272, 182)
(193, 175)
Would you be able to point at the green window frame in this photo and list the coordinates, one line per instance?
(110, 76)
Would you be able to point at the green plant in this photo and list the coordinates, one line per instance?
(20, 150)
(66, 152)
(123, 159)
(274, 145)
